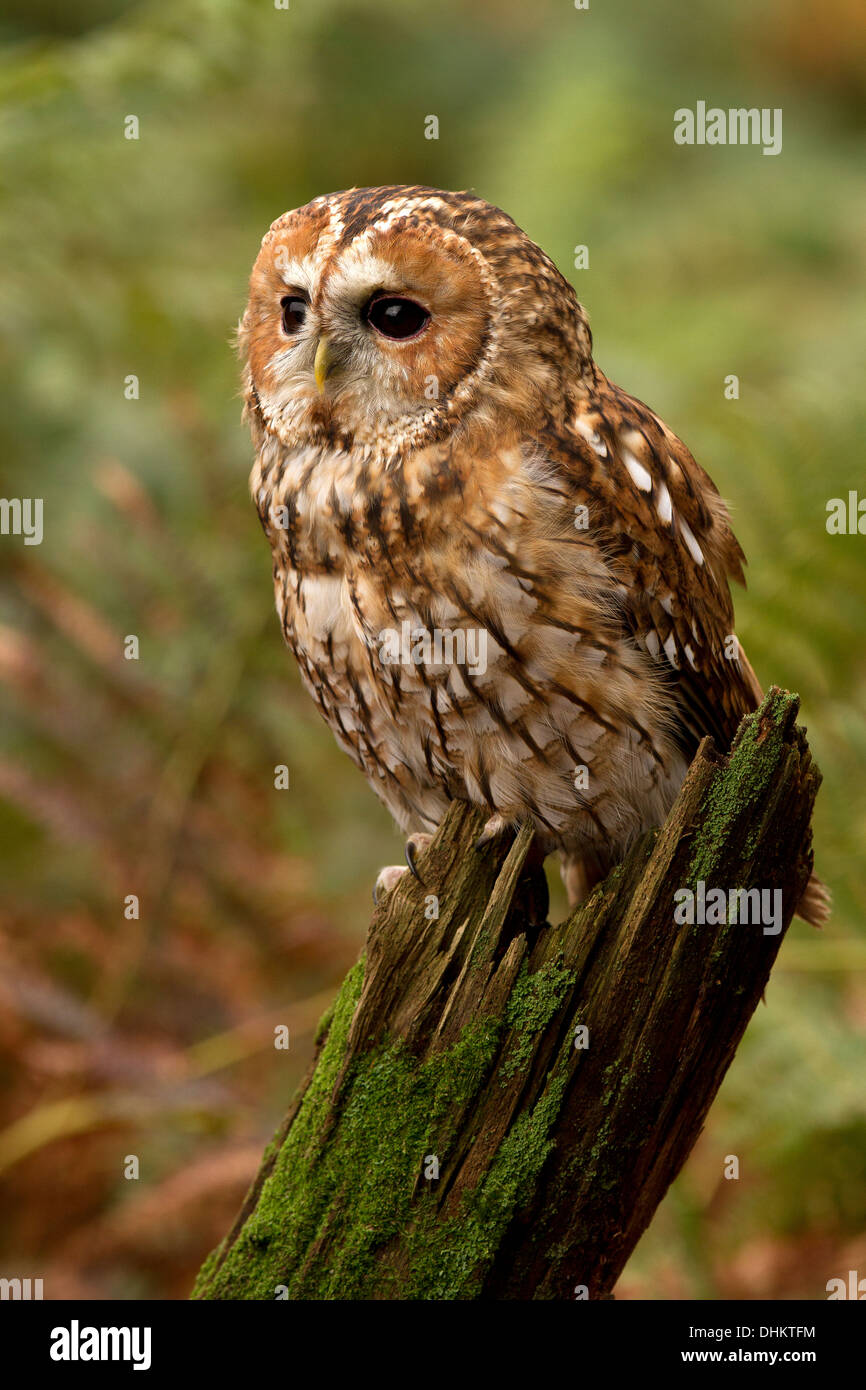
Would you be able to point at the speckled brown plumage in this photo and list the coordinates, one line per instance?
(483, 476)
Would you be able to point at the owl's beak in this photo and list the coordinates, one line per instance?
(323, 364)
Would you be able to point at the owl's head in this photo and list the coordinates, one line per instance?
(388, 317)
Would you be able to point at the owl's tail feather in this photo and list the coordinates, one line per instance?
(816, 903)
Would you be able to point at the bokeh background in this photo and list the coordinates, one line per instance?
(155, 1037)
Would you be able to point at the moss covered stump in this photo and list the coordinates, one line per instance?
(496, 1110)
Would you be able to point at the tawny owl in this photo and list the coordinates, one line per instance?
(504, 579)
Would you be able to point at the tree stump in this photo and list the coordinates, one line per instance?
(496, 1111)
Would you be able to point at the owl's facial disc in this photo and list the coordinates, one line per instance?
(366, 339)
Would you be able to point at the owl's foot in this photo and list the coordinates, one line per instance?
(414, 845)
(495, 829)
(390, 876)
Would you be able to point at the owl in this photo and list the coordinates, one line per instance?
(504, 580)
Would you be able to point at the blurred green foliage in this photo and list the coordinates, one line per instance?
(155, 1036)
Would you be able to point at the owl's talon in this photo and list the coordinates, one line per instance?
(493, 830)
(387, 879)
(413, 845)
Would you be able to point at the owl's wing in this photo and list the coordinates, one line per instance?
(667, 537)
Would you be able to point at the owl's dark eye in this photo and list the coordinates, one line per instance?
(294, 312)
(395, 317)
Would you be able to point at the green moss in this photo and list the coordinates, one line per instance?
(753, 762)
(357, 1187)
(206, 1269)
(534, 1001)
(234, 1279)
(324, 1023)
(613, 1082)
(360, 1182)
(602, 1167)
(448, 1259)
